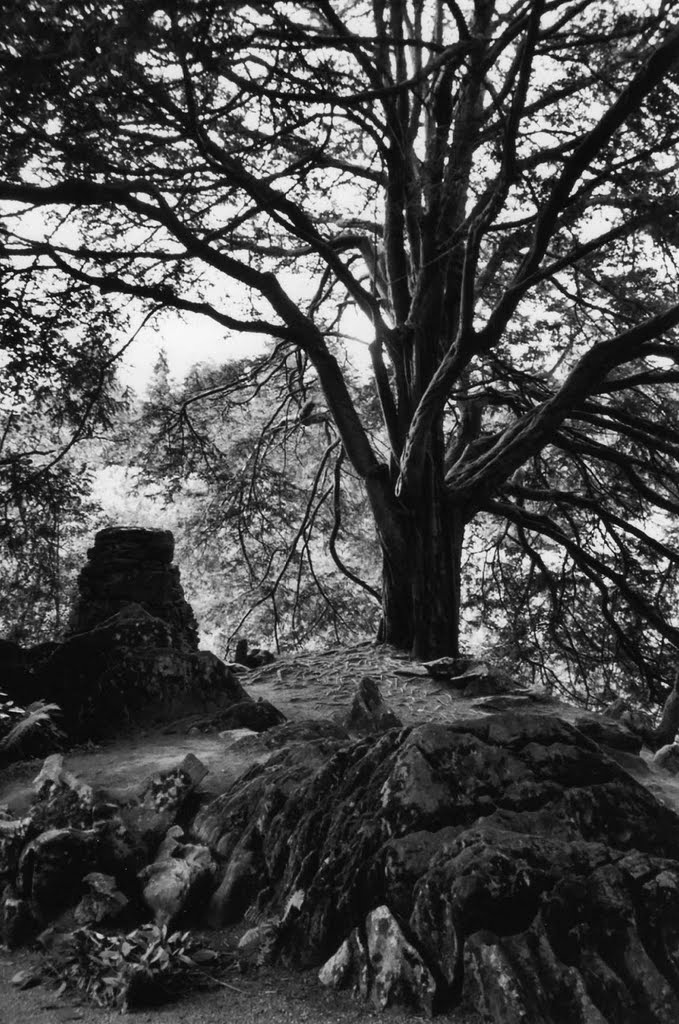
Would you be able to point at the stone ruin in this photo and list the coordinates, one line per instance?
(131, 656)
(129, 565)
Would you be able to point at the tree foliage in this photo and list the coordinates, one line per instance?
(269, 528)
(491, 186)
(57, 389)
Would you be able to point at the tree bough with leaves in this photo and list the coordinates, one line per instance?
(490, 185)
(272, 524)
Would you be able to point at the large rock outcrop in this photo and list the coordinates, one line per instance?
(130, 565)
(514, 862)
(506, 863)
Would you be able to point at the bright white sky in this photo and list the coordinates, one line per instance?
(192, 339)
(186, 341)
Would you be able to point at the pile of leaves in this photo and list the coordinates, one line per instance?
(146, 967)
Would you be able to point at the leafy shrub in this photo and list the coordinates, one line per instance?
(143, 968)
(22, 727)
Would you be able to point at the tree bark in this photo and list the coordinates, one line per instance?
(422, 554)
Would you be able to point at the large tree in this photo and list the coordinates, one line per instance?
(490, 185)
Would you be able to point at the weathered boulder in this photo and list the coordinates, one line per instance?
(369, 714)
(510, 843)
(102, 900)
(18, 926)
(255, 657)
(473, 678)
(668, 758)
(161, 800)
(246, 875)
(304, 730)
(78, 850)
(614, 734)
(385, 968)
(130, 565)
(179, 880)
(53, 865)
(239, 887)
(61, 796)
(29, 977)
(257, 716)
(64, 803)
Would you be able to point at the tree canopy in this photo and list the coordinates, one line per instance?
(487, 188)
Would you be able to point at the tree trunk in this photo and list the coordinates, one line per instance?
(421, 578)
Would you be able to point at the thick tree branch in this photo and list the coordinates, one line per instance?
(627, 103)
(534, 430)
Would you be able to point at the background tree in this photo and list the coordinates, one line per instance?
(490, 185)
(268, 526)
(57, 389)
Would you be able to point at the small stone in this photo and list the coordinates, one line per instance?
(178, 881)
(442, 668)
(17, 923)
(194, 768)
(258, 941)
(348, 967)
(399, 974)
(53, 866)
(369, 714)
(54, 775)
(386, 969)
(667, 758)
(28, 978)
(257, 716)
(232, 736)
(102, 902)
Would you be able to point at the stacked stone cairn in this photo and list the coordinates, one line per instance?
(129, 565)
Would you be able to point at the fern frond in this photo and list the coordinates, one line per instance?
(38, 716)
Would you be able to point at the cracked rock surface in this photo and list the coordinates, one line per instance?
(523, 869)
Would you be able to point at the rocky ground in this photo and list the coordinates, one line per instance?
(320, 686)
(304, 686)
